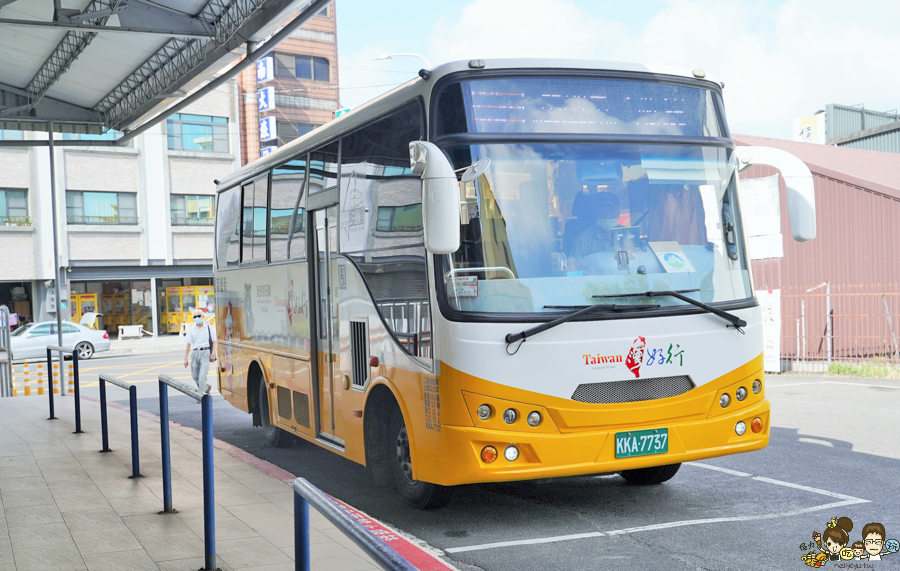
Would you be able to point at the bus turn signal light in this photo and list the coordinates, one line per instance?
(373, 362)
(488, 454)
(756, 425)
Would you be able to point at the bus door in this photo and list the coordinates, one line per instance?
(327, 324)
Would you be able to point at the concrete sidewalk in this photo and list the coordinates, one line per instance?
(67, 507)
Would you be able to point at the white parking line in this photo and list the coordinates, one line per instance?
(845, 501)
(718, 469)
(778, 385)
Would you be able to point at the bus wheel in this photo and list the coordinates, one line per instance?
(274, 435)
(419, 494)
(652, 475)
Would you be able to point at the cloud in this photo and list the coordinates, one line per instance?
(779, 59)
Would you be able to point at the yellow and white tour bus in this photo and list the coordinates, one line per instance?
(503, 270)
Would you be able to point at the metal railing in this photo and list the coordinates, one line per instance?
(305, 494)
(184, 221)
(409, 319)
(104, 424)
(75, 379)
(820, 328)
(78, 219)
(209, 502)
(6, 371)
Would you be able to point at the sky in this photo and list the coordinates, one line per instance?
(779, 59)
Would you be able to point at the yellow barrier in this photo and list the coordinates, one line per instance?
(71, 375)
(40, 379)
(57, 380)
(26, 380)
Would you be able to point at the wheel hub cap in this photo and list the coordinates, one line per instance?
(403, 458)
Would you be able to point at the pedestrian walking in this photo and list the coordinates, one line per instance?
(200, 350)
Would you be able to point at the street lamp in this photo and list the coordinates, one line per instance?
(392, 56)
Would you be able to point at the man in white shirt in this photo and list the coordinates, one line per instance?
(200, 350)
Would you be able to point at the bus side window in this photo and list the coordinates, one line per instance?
(253, 221)
(381, 223)
(287, 220)
(228, 228)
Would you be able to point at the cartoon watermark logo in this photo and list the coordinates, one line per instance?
(832, 545)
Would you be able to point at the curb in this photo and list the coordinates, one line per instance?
(406, 545)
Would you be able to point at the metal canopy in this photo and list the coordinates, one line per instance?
(92, 65)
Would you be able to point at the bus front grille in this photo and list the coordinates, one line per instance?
(633, 390)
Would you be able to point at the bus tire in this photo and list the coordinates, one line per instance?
(421, 495)
(652, 475)
(274, 435)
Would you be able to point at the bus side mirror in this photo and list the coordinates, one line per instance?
(440, 197)
(801, 195)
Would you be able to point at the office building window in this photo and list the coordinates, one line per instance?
(101, 207)
(14, 208)
(192, 210)
(303, 67)
(10, 135)
(197, 133)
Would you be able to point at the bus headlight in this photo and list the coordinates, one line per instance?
(484, 411)
(741, 393)
(510, 416)
(740, 428)
(534, 418)
(724, 400)
(511, 453)
(757, 386)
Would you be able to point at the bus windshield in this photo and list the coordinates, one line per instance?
(551, 225)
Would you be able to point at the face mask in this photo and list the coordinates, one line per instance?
(607, 223)
(198, 319)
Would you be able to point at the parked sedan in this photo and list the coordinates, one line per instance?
(31, 341)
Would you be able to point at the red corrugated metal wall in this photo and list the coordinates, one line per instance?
(857, 250)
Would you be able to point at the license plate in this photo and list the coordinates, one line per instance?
(642, 442)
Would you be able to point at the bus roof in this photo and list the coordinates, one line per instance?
(418, 87)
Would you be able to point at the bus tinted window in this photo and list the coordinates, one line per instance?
(253, 238)
(323, 168)
(381, 223)
(228, 228)
(377, 185)
(582, 105)
(287, 217)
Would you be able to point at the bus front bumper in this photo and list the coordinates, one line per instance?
(550, 455)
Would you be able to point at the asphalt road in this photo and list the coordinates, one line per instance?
(834, 451)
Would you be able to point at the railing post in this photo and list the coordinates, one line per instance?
(50, 374)
(164, 446)
(77, 393)
(301, 533)
(135, 452)
(104, 428)
(209, 494)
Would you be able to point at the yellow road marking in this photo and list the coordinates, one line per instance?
(128, 366)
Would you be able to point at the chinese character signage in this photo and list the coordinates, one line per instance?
(265, 98)
(265, 69)
(267, 130)
(266, 151)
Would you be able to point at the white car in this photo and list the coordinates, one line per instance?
(31, 341)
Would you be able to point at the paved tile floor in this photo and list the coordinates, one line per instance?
(65, 506)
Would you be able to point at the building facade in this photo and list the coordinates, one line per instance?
(838, 295)
(304, 87)
(132, 221)
(136, 223)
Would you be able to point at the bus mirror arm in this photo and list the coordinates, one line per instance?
(798, 181)
(440, 197)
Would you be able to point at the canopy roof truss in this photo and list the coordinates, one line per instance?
(162, 50)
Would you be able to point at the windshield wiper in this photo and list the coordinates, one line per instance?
(513, 337)
(734, 320)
